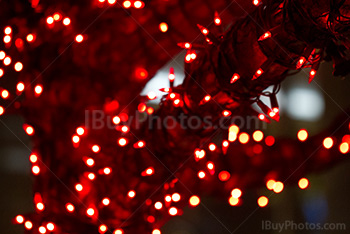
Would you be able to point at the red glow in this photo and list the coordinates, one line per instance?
(152, 95)
(217, 19)
(66, 21)
(257, 74)
(265, 36)
(102, 229)
(90, 212)
(42, 229)
(212, 147)
(126, 4)
(49, 20)
(201, 174)
(107, 170)
(40, 206)
(28, 225)
(79, 187)
(256, 2)
(234, 78)
(20, 87)
(173, 211)
(38, 90)
(263, 201)
(57, 16)
(33, 158)
(269, 141)
(36, 170)
(224, 176)
(19, 219)
(301, 62)
(29, 129)
(139, 4)
(2, 110)
(204, 30)
(141, 73)
(163, 27)
(8, 30)
(79, 38)
(302, 135)
(95, 148)
(194, 201)
(5, 94)
(131, 194)
(122, 141)
(1, 72)
(50, 226)
(70, 208)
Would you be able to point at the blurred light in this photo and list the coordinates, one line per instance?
(236, 193)
(5, 94)
(233, 201)
(212, 147)
(57, 16)
(344, 148)
(138, 4)
(107, 170)
(278, 187)
(111, 2)
(303, 183)
(258, 136)
(1, 72)
(91, 176)
(328, 143)
(49, 20)
(126, 4)
(79, 187)
(156, 231)
(122, 141)
(116, 120)
(66, 21)
(224, 176)
(176, 197)
(201, 174)
(163, 27)
(79, 38)
(173, 211)
(7, 61)
(38, 89)
(90, 162)
(158, 205)
(29, 130)
(305, 104)
(102, 228)
(269, 141)
(96, 148)
(28, 225)
(8, 30)
(2, 110)
(90, 212)
(7, 39)
(270, 184)
(243, 138)
(263, 201)
(118, 231)
(70, 207)
(42, 229)
(40, 206)
(194, 201)
(302, 135)
(131, 194)
(50, 226)
(36, 170)
(20, 87)
(30, 37)
(19, 219)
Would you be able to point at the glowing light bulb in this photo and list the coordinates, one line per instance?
(80, 131)
(79, 38)
(138, 4)
(156, 231)
(5, 94)
(118, 231)
(90, 162)
(233, 201)
(152, 95)
(2, 55)
(312, 75)
(57, 16)
(257, 74)
(270, 184)
(163, 27)
(303, 183)
(91, 176)
(194, 201)
(234, 78)
(199, 154)
(256, 2)
(29, 130)
(204, 30)
(301, 62)
(75, 139)
(111, 2)
(107, 170)
(212, 147)
(302, 135)
(158, 205)
(263, 201)
(1, 72)
(116, 120)
(2, 110)
(265, 36)
(66, 21)
(217, 19)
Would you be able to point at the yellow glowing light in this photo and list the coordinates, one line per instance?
(158, 205)
(173, 211)
(19, 219)
(66, 21)
(303, 183)
(233, 201)
(236, 193)
(279, 186)
(156, 231)
(344, 147)
(302, 135)
(176, 197)
(263, 201)
(126, 4)
(20, 87)
(243, 138)
(328, 143)
(90, 212)
(79, 38)
(270, 184)
(28, 225)
(194, 201)
(163, 27)
(131, 194)
(258, 136)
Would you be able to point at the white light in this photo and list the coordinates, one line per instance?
(305, 104)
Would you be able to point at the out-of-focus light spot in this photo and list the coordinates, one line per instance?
(79, 187)
(40, 206)
(96, 148)
(156, 231)
(126, 4)
(344, 147)
(19, 219)
(269, 140)
(50, 226)
(5, 94)
(201, 174)
(328, 143)
(49, 20)
(7, 61)
(173, 211)
(107, 171)
(111, 2)
(36, 170)
(138, 4)
(1, 72)
(302, 135)
(163, 27)
(20, 87)
(29, 130)
(75, 139)
(79, 38)
(42, 229)
(118, 231)
(116, 120)
(270, 184)
(263, 201)
(90, 212)
(7, 39)
(243, 138)
(102, 228)
(194, 201)
(30, 37)
(224, 176)
(152, 95)
(305, 104)
(212, 147)
(256, 2)
(8, 30)
(28, 225)
(158, 205)
(80, 131)
(69, 207)
(122, 142)
(141, 73)
(90, 162)
(2, 55)
(176, 197)
(57, 16)
(233, 201)
(33, 158)
(278, 187)
(236, 193)
(91, 176)
(66, 21)
(38, 89)
(2, 110)
(131, 194)
(303, 183)
(258, 136)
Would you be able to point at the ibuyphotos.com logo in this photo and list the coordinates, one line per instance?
(290, 225)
